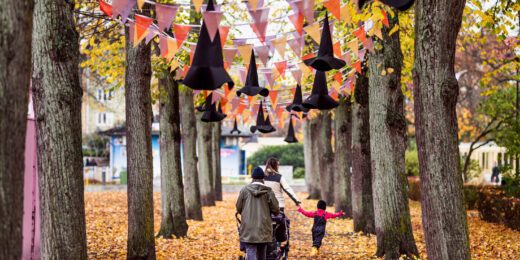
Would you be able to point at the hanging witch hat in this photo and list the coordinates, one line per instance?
(296, 105)
(290, 133)
(210, 111)
(325, 60)
(235, 128)
(319, 98)
(262, 125)
(207, 70)
(252, 87)
(401, 5)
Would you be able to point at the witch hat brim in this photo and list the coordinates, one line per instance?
(211, 114)
(252, 87)
(207, 70)
(319, 98)
(290, 133)
(325, 60)
(267, 127)
(297, 101)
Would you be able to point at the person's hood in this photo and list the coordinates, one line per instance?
(257, 189)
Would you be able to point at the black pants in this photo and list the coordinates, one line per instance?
(317, 237)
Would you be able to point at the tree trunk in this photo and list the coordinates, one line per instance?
(387, 147)
(311, 172)
(138, 71)
(189, 155)
(204, 143)
(343, 157)
(435, 97)
(361, 182)
(15, 64)
(217, 174)
(326, 158)
(173, 214)
(57, 101)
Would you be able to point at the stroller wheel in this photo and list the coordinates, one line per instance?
(241, 258)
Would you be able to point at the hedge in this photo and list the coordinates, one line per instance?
(495, 206)
(470, 192)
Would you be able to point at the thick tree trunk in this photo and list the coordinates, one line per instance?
(57, 101)
(387, 147)
(343, 157)
(217, 174)
(189, 155)
(435, 97)
(204, 144)
(138, 71)
(173, 214)
(15, 64)
(361, 182)
(326, 158)
(311, 172)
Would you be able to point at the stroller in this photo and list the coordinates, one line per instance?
(275, 250)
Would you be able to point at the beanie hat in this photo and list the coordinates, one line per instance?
(322, 205)
(258, 174)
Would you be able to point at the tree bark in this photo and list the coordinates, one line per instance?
(204, 143)
(361, 182)
(311, 172)
(326, 157)
(435, 97)
(15, 63)
(138, 72)
(173, 214)
(189, 155)
(57, 101)
(217, 173)
(343, 157)
(387, 147)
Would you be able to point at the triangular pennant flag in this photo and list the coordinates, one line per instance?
(263, 53)
(243, 75)
(345, 13)
(151, 34)
(346, 58)
(333, 7)
(122, 8)
(313, 30)
(280, 45)
(385, 18)
(226, 91)
(273, 95)
(212, 21)
(280, 66)
(215, 97)
(193, 47)
(360, 34)
(260, 15)
(296, 46)
(357, 66)
(354, 46)
(197, 4)
(245, 52)
(297, 6)
(140, 4)
(305, 70)
(163, 45)
(362, 54)
(223, 31)
(250, 100)
(297, 74)
(181, 31)
(309, 11)
(253, 4)
(174, 65)
(338, 77)
(165, 15)
(105, 7)
(229, 54)
(141, 27)
(337, 49)
(297, 20)
(173, 47)
(260, 30)
(370, 45)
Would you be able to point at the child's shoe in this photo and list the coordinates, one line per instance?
(314, 251)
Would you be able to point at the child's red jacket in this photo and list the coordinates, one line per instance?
(320, 212)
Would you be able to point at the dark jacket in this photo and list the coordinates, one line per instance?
(255, 204)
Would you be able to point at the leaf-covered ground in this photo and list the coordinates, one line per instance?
(216, 237)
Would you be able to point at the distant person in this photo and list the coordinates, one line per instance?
(255, 204)
(320, 222)
(495, 174)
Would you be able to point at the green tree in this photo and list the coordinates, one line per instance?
(290, 154)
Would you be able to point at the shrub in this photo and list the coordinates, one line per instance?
(411, 161)
(495, 206)
(290, 154)
(511, 184)
(299, 173)
(470, 192)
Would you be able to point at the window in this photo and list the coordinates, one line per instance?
(104, 118)
(99, 94)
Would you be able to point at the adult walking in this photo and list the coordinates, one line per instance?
(278, 183)
(255, 204)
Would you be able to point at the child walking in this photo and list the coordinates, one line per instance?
(320, 221)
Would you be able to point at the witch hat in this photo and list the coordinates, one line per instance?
(401, 5)
(262, 125)
(290, 133)
(235, 128)
(325, 60)
(210, 111)
(252, 87)
(207, 70)
(319, 98)
(267, 127)
(296, 105)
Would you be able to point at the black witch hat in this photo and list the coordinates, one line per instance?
(252, 87)
(296, 105)
(267, 127)
(325, 60)
(207, 70)
(210, 111)
(235, 128)
(290, 133)
(401, 5)
(319, 98)
(262, 125)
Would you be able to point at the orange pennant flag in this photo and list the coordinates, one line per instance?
(141, 27)
(250, 99)
(223, 31)
(197, 4)
(280, 66)
(361, 35)
(337, 49)
(354, 47)
(245, 52)
(357, 66)
(333, 7)
(313, 30)
(273, 94)
(385, 18)
(140, 4)
(338, 77)
(173, 48)
(280, 45)
(297, 20)
(345, 13)
(181, 31)
(105, 7)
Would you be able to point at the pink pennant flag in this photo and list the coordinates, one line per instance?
(296, 46)
(122, 8)
(297, 6)
(297, 74)
(215, 97)
(333, 7)
(260, 15)
(346, 57)
(165, 15)
(263, 53)
(234, 103)
(243, 75)
(370, 45)
(223, 32)
(361, 54)
(150, 35)
(163, 45)
(268, 74)
(260, 30)
(181, 31)
(229, 54)
(212, 21)
(308, 11)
